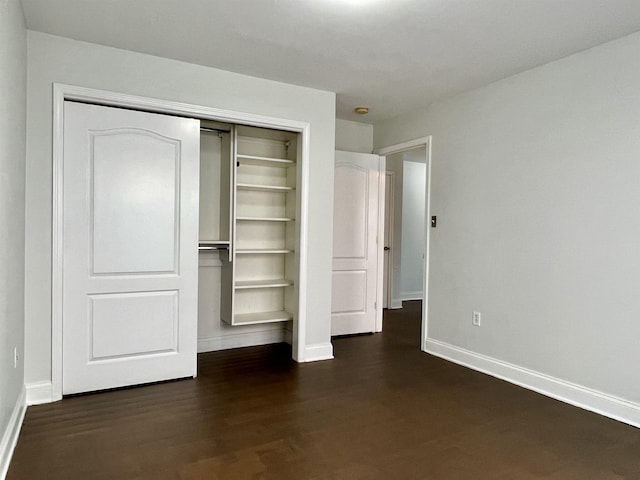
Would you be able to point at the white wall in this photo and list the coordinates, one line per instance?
(13, 65)
(413, 213)
(536, 184)
(354, 136)
(56, 59)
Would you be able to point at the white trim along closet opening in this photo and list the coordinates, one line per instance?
(176, 235)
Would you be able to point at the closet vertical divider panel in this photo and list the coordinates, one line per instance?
(292, 234)
(265, 226)
(227, 256)
(216, 203)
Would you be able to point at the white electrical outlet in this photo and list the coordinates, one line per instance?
(15, 357)
(476, 319)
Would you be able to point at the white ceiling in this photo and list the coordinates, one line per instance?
(391, 55)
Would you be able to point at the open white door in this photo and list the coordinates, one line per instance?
(357, 254)
(130, 246)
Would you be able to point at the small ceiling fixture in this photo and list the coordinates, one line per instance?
(361, 110)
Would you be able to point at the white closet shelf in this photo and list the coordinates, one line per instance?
(264, 188)
(261, 317)
(264, 219)
(262, 250)
(270, 161)
(282, 282)
(260, 140)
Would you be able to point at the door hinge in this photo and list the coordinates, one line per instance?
(375, 305)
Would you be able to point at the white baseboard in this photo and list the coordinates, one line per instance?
(10, 437)
(40, 392)
(417, 295)
(318, 351)
(396, 303)
(577, 395)
(242, 339)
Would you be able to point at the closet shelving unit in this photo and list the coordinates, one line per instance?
(262, 259)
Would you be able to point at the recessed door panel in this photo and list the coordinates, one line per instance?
(132, 324)
(135, 199)
(349, 292)
(351, 210)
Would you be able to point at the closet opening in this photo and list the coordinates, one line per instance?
(247, 246)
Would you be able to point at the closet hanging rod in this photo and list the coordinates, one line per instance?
(213, 247)
(213, 130)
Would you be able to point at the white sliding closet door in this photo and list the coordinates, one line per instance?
(130, 246)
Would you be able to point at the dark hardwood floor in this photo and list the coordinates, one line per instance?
(380, 410)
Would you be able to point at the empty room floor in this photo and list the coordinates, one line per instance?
(380, 410)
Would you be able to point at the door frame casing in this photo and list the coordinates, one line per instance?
(388, 229)
(62, 93)
(403, 147)
(382, 165)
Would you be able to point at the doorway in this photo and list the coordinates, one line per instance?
(407, 225)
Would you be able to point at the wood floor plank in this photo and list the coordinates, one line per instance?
(380, 410)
